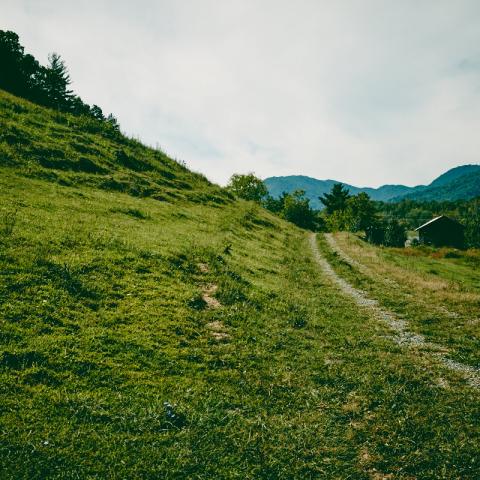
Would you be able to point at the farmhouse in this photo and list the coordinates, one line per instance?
(441, 231)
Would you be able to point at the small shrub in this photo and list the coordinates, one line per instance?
(231, 290)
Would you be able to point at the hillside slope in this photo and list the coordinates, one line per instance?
(153, 327)
(455, 174)
(457, 183)
(456, 187)
(80, 150)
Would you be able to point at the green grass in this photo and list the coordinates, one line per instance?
(109, 366)
(436, 290)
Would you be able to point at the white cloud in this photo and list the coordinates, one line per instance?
(367, 92)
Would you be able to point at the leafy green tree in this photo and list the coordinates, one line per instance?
(97, 112)
(336, 199)
(297, 210)
(395, 234)
(339, 220)
(275, 205)
(472, 224)
(248, 187)
(362, 212)
(375, 233)
(20, 74)
(113, 122)
(390, 233)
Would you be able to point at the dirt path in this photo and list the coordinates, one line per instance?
(332, 243)
(399, 326)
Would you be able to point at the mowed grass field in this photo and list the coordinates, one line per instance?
(190, 335)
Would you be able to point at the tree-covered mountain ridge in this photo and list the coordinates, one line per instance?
(462, 182)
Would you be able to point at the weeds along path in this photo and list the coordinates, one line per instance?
(402, 335)
(332, 243)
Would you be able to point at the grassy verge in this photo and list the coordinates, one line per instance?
(444, 307)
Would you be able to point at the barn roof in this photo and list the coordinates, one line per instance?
(436, 219)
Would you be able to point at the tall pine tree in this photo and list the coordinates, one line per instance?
(336, 200)
(56, 82)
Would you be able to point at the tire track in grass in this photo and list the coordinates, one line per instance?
(332, 243)
(402, 335)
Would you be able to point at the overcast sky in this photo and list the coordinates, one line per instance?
(366, 92)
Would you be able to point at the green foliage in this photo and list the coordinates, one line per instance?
(471, 221)
(362, 211)
(395, 234)
(248, 187)
(345, 212)
(23, 75)
(55, 82)
(389, 233)
(339, 220)
(375, 233)
(295, 208)
(8, 221)
(414, 213)
(336, 200)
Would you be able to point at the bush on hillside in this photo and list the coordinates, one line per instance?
(248, 187)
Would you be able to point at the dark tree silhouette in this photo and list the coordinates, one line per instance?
(97, 112)
(22, 75)
(336, 199)
(57, 81)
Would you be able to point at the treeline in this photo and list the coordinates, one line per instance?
(342, 211)
(293, 207)
(359, 213)
(22, 75)
(412, 214)
(383, 223)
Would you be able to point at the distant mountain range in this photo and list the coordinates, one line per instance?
(458, 183)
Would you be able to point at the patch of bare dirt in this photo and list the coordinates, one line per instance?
(207, 296)
(203, 267)
(218, 330)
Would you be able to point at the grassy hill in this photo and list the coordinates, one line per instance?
(151, 326)
(82, 151)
